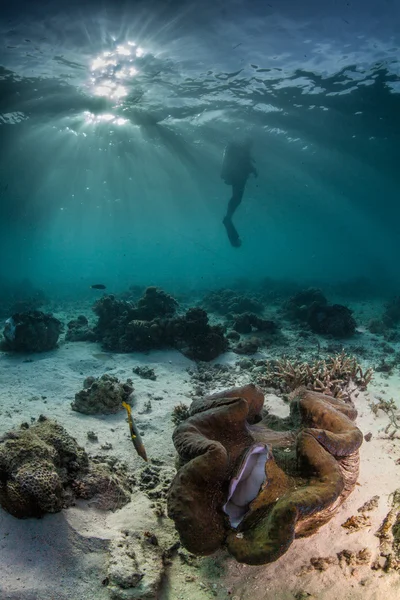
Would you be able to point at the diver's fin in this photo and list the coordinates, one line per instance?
(233, 235)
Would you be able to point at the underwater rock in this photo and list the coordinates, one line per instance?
(196, 338)
(298, 306)
(249, 346)
(142, 335)
(377, 326)
(32, 331)
(155, 303)
(78, 330)
(135, 566)
(43, 469)
(226, 301)
(145, 372)
(391, 315)
(233, 335)
(247, 322)
(103, 395)
(120, 330)
(114, 315)
(335, 320)
(126, 327)
(253, 487)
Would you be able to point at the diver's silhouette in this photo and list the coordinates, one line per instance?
(237, 165)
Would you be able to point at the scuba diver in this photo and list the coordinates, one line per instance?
(237, 165)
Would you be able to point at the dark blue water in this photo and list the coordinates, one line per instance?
(114, 119)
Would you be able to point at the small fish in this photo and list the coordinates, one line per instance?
(135, 436)
(98, 286)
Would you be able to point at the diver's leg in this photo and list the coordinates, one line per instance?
(234, 202)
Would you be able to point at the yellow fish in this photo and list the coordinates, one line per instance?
(135, 436)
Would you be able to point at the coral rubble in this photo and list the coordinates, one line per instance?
(180, 413)
(135, 566)
(389, 536)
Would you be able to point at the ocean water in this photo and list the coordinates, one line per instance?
(113, 122)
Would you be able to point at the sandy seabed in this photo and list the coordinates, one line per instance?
(66, 555)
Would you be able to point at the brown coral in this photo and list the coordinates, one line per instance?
(103, 395)
(42, 470)
(253, 489)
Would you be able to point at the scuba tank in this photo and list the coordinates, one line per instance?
(236, 163)
(229, 163)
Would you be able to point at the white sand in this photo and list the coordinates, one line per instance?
(65, 556)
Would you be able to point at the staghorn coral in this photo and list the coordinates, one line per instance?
(255, 489)
(331, 376)
(390, 408)
(103, 395)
